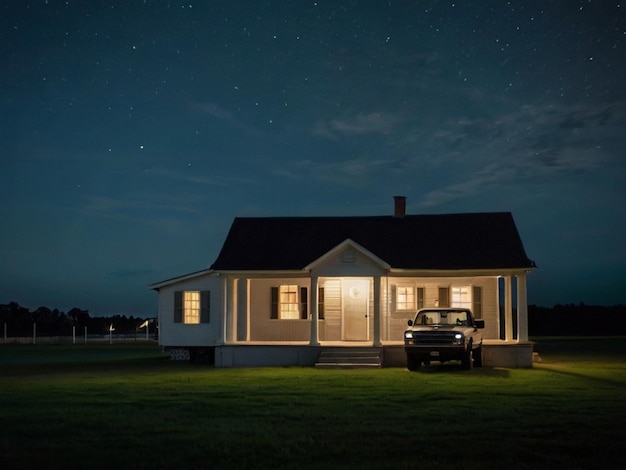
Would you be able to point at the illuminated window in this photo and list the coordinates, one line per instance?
(191, 307)
(461, 296)
(409, 298)
(288, 302)
(405, 298)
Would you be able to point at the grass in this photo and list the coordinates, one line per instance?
(127, 406)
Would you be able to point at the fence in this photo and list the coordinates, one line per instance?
(76, 337)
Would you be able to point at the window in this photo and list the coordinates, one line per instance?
(405, 298)
(461, 296)
(191, 307)
(291, 302)
(288, 302)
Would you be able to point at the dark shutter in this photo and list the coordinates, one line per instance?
(477, 301)
(420, 297)
(304, 303)
(205, 306)
(393, 298)
(444, 296)
(274, 304)
(320, 303)
(178, 307)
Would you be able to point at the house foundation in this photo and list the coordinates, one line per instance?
(508, 355)
(495, 354)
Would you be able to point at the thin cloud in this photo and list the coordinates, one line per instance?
(534, 145)
(190, 178)
(361, 124)
(213, 110)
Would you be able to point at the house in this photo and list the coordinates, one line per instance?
(284, 288)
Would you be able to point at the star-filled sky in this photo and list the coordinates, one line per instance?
(133, 132)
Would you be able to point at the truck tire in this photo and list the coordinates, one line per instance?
(412, 363)
(478, 356)
(467, 362)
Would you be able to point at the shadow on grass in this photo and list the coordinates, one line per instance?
(592, 380)
(458, 370)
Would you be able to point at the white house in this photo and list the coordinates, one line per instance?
(285, 289)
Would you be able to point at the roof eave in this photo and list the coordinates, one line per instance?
(158, 285)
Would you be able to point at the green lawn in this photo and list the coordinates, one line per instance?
(127, 406)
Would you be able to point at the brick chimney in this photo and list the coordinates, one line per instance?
(399, 206)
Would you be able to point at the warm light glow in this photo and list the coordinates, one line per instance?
(289, 308)
(461, 296)
(191, 307)
(405, 298)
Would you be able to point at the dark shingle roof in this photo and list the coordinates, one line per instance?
(450, 241)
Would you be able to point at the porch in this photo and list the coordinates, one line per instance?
(495, 353)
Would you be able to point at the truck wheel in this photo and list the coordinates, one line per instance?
(467, 362)
(411, 363)
(478, 357)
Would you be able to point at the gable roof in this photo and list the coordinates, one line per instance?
(449, 241)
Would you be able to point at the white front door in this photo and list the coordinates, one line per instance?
(355, 310)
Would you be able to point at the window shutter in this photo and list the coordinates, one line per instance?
(274, 304)
(205, 306)
(477, 302)
(444, 296)
(178, 307)
(420, 297)
(393, 298)
(320, 303)
(304, 303)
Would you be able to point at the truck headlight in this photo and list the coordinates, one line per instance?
(458, 336)
(408, 335)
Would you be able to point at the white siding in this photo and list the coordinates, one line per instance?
(397, 321)
(180, 334)
(262, 326)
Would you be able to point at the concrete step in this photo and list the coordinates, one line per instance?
(347, 357)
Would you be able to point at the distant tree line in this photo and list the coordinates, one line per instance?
(559, 320)
(577, 320)
(53, 322)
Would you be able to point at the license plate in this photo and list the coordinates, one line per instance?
(434, 353)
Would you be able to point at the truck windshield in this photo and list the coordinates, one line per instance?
(438, 317)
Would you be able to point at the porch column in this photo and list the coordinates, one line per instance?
(314, 341)
(223, 309)
(508, 309)
(231, 310)
(377, 318)
(243, 289)
(522, 309)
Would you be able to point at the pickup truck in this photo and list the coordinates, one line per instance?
(444, 334)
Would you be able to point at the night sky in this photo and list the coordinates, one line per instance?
(133, 132)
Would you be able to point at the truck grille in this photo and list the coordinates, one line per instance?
(433, 338)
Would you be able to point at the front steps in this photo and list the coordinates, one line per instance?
(350, 357)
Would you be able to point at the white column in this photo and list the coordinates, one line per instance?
(522, 309)
(313, 296)
(508, 309)
(223, 309)
(377, 319)
(244, 287)
(232, 310)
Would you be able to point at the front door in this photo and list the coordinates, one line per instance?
(355, 310)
